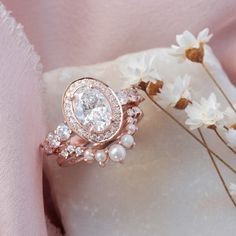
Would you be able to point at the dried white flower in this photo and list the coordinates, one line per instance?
(230, 136)
(172, 92)
(232, 188)
(187, 41)
(139, 67)
(204, 36)
(229, 117)
(204, 113)
(229, 123)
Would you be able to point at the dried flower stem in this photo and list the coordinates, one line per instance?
(218, 86)
(217, 168)
(222, 139)
(189, 132)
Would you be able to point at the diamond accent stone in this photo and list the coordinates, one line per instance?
(53, 140)
(63, 131)
(137, 111)
(92, 109)
(130, 112)
(78, 151)
(123, 98)
(70, 149)
(64, 153)
(131, 128)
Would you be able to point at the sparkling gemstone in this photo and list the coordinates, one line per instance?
(78, 151)
(137, 111)
(123, 98)
(70, 149)
(63, 131)
(47, 148)
(53, 140)
(92, 109)
(133, 98)
(64, 153)
(130, 112)
(131, 128)
(131, 120)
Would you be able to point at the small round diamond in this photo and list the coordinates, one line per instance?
(64, 153)
(53, 140)
(47, 148)
(131, 128)
(63, 131)
(130, 112)
(78, 151)
(137, 111)
(131, 120)
(123, 98)
(70, 149)
(108, 134)
(133, 98)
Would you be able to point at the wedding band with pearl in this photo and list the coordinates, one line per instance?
(99, 124)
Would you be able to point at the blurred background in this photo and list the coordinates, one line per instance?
(81, 32)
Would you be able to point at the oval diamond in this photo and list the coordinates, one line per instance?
(92, 110)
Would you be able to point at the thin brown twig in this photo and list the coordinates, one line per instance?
(218, 86)
(189, 132)
(222, 139)
(217, 168)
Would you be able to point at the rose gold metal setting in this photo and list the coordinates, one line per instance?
(73, 142)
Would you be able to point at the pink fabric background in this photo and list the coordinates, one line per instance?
(76, 32)
(22, 128)
(67, 32)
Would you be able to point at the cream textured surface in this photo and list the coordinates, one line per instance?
(167, 185)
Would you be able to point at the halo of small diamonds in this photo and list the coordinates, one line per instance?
(99, 123)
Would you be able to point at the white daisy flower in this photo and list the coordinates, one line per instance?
(204, 36)
(204, 113)
(187, 41)
(229, 123)
(229, 117)
(140, 67)
(232, 189)
(230, 136)
(172, 92)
